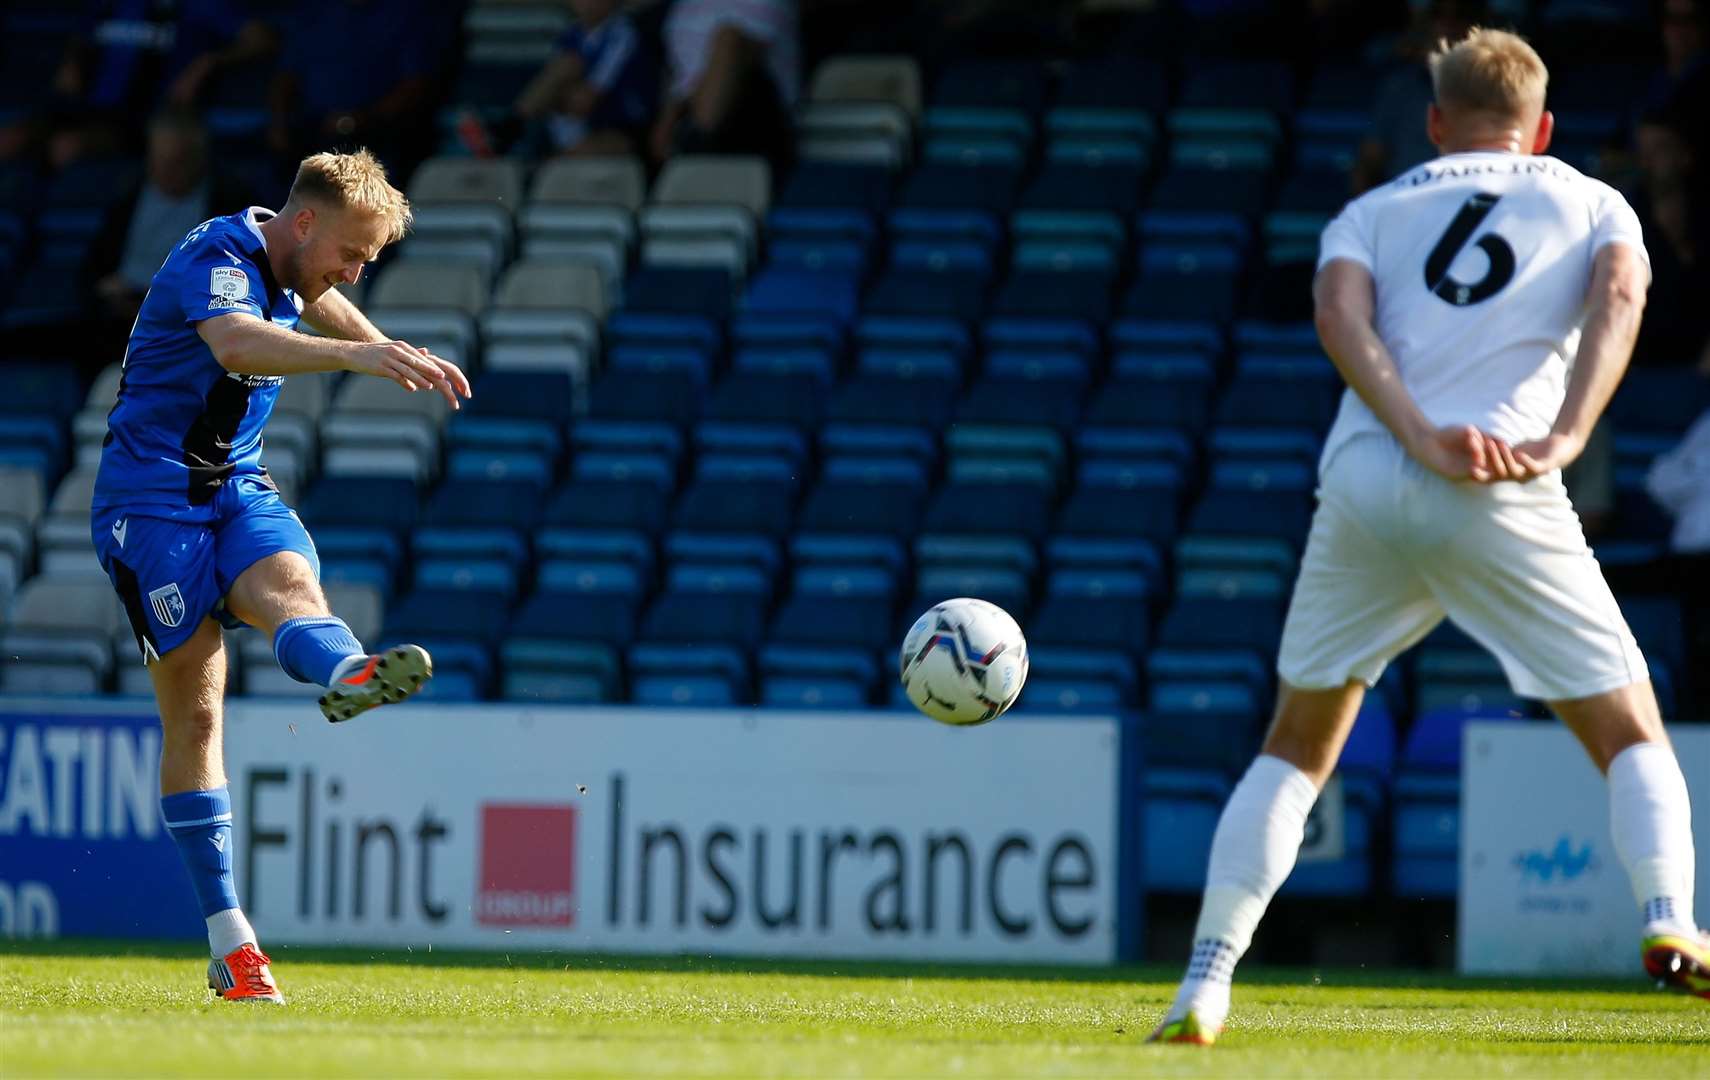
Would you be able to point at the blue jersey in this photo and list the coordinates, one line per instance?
(184, 425)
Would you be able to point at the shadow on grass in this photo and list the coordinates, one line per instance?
(528, 960)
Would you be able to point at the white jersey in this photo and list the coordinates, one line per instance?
(1481, 262)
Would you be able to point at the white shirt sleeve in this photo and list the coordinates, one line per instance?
(1348, 236)
(1618, 223)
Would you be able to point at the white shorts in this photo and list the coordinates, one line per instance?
(1395, 547)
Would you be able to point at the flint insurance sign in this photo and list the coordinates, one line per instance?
(1542, 892)
(750, 833)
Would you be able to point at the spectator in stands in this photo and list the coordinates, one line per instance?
(1682, 27)
(129, 56)
(733, 74)
(358, 73)
(177, 192)
(1677, 323)
(1398, 140)
(596, 95)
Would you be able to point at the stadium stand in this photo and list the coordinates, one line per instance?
(1035, 333)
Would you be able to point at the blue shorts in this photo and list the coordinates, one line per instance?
(170, 574)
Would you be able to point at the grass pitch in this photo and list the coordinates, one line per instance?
(85, 1010)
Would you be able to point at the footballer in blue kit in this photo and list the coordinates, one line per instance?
(190, 528)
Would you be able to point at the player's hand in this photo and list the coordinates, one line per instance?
(412, 368)
(1548, 454)
(1462, 452)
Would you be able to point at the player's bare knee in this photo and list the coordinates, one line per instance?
(1609, 723)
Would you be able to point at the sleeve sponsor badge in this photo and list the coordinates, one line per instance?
(229, 286)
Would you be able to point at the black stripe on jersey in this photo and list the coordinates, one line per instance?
(208, 445)
(130, 594)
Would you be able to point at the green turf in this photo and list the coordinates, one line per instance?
(75, 1010)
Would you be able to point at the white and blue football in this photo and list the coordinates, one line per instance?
(964, 661)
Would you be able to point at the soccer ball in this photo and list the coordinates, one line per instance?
(963, 662)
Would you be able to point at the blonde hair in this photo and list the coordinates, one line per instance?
(355, 181)
(1489, 71)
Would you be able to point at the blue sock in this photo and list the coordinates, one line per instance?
(310, 648)
(201, 823)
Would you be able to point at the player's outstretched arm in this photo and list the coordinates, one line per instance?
(334, 316)
(1615, 303)
(247, 345)
(1345, 302)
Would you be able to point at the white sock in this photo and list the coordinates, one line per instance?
(348, 666)
(227, 930)
(1650, 817)
(1252, 852)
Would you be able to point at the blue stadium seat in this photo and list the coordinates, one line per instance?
(1011, 84)
(1185, 281)
(460, 627)
(934, 585)
(1281, 391)
(1114, 187)
(479, 519)
(866, 495)
(1182, 808)
(385, 503)
(680, 290)
(959, 294)
(839, 606)
(1113, 83)
(789, 290)
(1088, 609)
(1059, 294)
(665, 329)
(1258, 498)
(709, 605)
(1115, 499)
(835, 184)
(734, 494)
(646, 395)
(1239, 85)
(609, 502)
(688, 676)
(1155, 390)
(1244, 666)
(1203, 725)
(990, 189)
(582, 601)
(976, 507)
(1028, 388)
(917, 398)
(801, 692)
(1202, 188)
(1240, 609)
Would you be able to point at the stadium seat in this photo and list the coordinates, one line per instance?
(1226, 609)
(710, 178)
(449, 180)
(58, 636)
(536, 284)
(589, 181)
(1117, 499)
(732, 494)
(891, 79)
(1182, 808)
(1202, 725)
(865, 495)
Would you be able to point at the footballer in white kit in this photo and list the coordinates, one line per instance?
(1481, 263)
(1482, 308)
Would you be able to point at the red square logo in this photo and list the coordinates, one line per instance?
(528, 865)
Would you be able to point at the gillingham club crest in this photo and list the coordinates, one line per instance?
(168, 605)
